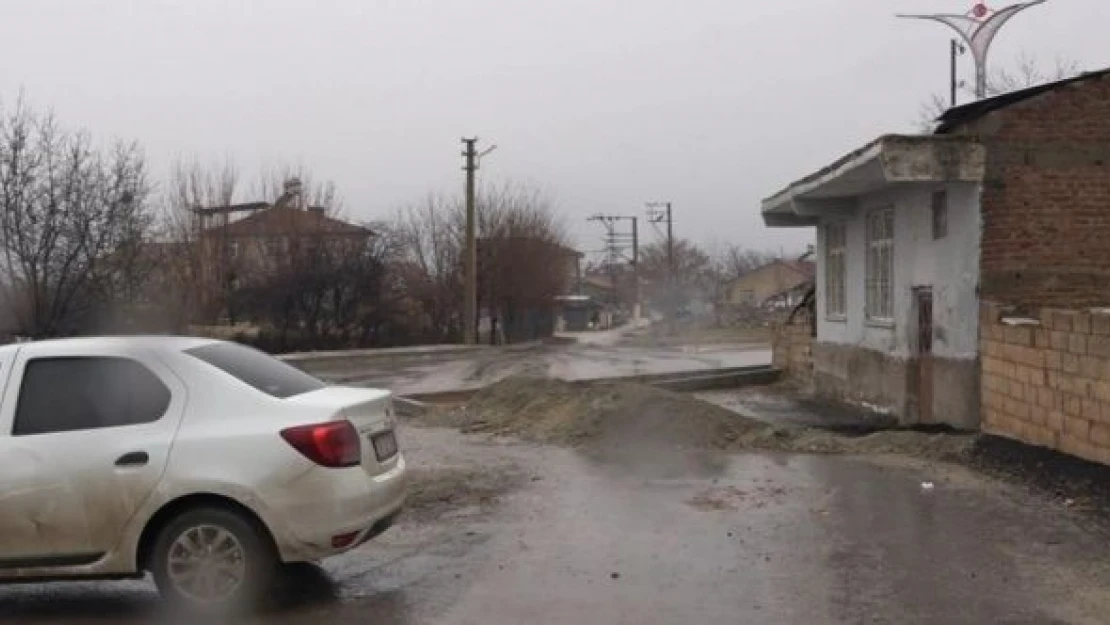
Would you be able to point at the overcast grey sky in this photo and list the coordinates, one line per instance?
(712, 104)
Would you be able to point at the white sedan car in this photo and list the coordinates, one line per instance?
(203, 462)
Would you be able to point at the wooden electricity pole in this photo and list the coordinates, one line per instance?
(470, 258)
(637, 304)
(657, 216)
(470, 255)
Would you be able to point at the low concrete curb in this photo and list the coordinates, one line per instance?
(322, 363)
(683, 382)
(383, 352)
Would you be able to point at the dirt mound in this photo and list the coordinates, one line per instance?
(626, 415)
(554, 411)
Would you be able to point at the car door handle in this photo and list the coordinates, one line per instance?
(133, 459)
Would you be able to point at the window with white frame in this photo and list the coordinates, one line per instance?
(880, 265)
(836, 271)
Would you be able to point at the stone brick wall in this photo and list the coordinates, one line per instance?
(1045, 198)
(1046, 379)
(792, 350)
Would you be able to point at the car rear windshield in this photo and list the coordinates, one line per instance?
(258, 369)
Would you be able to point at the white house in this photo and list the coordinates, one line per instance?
(898, 231)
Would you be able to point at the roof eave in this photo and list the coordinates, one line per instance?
(884, 162)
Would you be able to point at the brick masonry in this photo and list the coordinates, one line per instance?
(1044, 200)
(1046, 381)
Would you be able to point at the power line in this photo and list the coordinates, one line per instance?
(617, 243)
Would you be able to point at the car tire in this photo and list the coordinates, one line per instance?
(213, 560)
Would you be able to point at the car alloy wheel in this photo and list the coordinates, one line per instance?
(213, 560)
(207, 564)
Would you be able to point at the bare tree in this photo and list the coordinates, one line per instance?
(271, 184)
(692, 277)
(430, 263)
(324, 293)
(524, 260)
(187, 292)
(736, 260)
(72, 222)
(1027, 72)
(521, 244)
(728, 263)
(199, 269)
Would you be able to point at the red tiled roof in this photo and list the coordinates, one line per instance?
(277, 221)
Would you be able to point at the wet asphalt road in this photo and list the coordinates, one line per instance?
(653, 536)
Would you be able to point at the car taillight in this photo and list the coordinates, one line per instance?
(334, 444)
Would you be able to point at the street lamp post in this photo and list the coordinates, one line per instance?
(978, 28)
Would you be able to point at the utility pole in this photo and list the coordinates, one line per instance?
(956, 50)
(656, 216)
(638, 304)
(470, 255)
(616, 242)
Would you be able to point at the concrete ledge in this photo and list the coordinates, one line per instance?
(716, 381)
(687, 381)
(383, 352)
(322, 363)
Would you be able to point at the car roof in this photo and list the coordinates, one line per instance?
(163, 342)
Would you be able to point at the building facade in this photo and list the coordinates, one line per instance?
(923, 240)
(897, 253)
(238, 244)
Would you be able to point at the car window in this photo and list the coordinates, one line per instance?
(258, 369)
(67, 394)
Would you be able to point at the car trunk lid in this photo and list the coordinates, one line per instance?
(369, 410)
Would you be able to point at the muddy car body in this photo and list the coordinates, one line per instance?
(187, 458)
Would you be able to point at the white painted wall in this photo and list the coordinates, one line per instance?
(949, 265)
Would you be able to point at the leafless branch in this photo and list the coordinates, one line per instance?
(1026, 72)
(72, 217)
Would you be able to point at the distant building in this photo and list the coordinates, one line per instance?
(239, 242)
(770, 285)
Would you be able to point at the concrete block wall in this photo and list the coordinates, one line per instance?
(792, 350)
(1046, 379)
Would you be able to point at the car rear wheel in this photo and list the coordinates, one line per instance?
(213, 560)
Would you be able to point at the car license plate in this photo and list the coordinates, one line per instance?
(385, 445)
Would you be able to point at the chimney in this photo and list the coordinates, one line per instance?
(293, 192)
